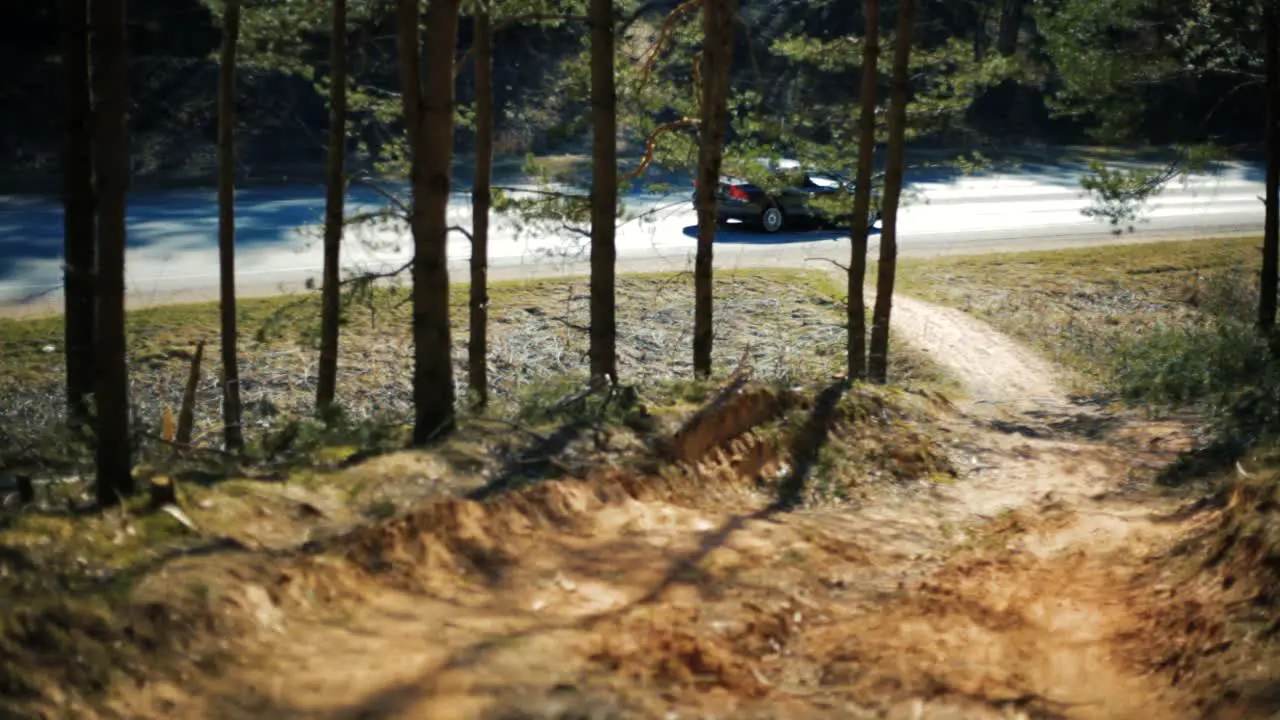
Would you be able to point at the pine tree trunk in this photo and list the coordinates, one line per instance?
(429, 116)
(481, 195)
(604, 195)
(857, 342)
(980, 38)
(111, 160)
(78, 212)
(879, 359)
(717, 59)
(1267, 285)
(331, 309)
(233, 434)
(1010, 25)
(410, 74)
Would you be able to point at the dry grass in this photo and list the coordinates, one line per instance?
(786, 323)
(1080, 307)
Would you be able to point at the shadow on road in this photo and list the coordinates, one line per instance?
(737, 233)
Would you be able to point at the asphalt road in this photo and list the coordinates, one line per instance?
(172, 254)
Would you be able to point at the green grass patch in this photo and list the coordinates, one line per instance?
(1138, 320)
(1159, 325)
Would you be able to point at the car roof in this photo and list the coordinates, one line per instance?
(813, 174)
(772, 164)
(779, 163)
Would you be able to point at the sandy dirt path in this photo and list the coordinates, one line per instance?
(990, 366)
(1011, 592)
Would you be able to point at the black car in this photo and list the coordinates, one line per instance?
(739, 199)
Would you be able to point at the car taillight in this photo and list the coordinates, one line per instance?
(737, 193)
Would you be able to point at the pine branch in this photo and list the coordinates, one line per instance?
(664, 34)
(651, 144)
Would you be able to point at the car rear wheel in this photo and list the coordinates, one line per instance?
(772, 220)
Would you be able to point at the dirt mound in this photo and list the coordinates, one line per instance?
(1248, 543)
(1000, 630)
(609, 565)
(430, 547)
(733, 411)
(1209, 618)
(676, 650)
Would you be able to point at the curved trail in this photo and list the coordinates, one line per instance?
(990, 366)
(1010, 593)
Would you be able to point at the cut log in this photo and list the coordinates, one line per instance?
(187, 414)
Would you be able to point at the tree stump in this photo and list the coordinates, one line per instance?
(26, 489)
(163, 491)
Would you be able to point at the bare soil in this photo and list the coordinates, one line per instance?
(1032, 581)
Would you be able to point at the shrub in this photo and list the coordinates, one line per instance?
(1197, 361)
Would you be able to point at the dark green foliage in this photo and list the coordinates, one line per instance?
(1120, 195)
(293, 440)
(1205, 361)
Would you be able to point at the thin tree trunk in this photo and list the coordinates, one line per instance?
(980, 38)
(327, 385)
(232, 432)
(717, 59)
(429, 115)
(604, 195)
(1267, 285)
(78, 212)
(1010, 25)
(481, 196)
(410, 72)
(879, 360)
(857, 342)
(111, 159)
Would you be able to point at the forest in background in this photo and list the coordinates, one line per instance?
(1014, 72)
